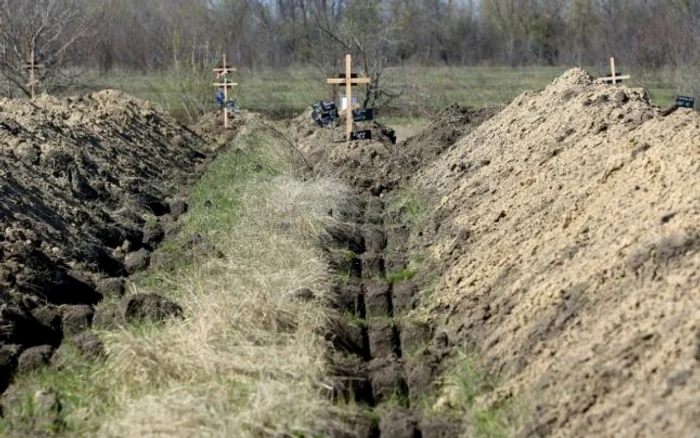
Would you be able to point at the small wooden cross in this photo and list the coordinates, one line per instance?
(348, 81)
(32, 66)
(613, 78)
(222, 72)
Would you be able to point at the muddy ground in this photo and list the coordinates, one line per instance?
(90, 186)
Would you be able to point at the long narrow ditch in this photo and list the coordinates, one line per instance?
(387, 360)
(384, 361)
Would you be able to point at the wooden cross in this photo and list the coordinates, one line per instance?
(348, 81)
(613, 78)
(32, 66)
(222, 72)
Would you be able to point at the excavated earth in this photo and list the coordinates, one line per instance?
(89, 187)
(561, 238)
(567, 231)
(386, 358)
(565, 235)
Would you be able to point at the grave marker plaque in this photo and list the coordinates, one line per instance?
(363, 114)
(685, 102)
(361, 135)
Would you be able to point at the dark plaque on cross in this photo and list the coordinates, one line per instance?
(685, 102)
(363, 114)
(361, 135)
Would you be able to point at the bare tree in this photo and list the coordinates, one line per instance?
(366, 30)
(43, 31)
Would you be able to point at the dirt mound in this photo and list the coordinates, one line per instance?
(211, 126)
(443, 131)
(568, 229)
(381, 165)
(86, 183)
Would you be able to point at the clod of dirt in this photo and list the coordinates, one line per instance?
(437, 428)
(177, 207)
(137, 261)
(399, 424)
(302, 295)
(50, 317)
(111, 287)
(153, 234)
(19, 326)
(150, 307)
(9, 355)
(387, 379)
(76, 319)
(34, 358)
(89, 344)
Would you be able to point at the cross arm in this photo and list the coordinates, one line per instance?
(343, 81)
(617, 78)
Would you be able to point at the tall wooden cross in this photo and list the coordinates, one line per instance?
(32, 66)
(348, 81)
(614, 78)
(225, 83)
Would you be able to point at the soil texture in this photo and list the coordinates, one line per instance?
(89, 186)
(567, 228)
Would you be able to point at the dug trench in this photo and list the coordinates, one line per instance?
(383, 359)
(387, 356)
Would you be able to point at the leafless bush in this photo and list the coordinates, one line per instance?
(46, 31)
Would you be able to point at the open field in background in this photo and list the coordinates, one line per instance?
(423, 90)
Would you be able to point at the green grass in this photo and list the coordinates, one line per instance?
(73, 377)
(406, 206)
(423, 90)
(402, 275)
(468, 381)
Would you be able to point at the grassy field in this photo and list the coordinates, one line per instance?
(422, 90)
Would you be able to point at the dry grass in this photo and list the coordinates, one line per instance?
(248, 360)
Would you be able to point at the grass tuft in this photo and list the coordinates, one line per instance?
(467, 383)
(402, 275)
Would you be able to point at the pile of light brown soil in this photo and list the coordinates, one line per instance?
(89, 186)
(568, 233)
(211, 126)
(382, 165)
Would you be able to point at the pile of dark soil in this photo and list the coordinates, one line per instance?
(89, 186)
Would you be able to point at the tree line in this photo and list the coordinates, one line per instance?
(159, 34)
